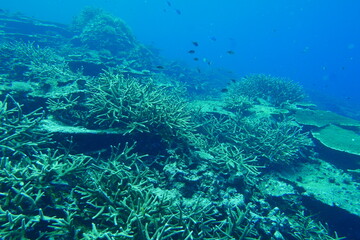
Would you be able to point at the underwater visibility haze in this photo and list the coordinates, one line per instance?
(170, 119)
(312, 42)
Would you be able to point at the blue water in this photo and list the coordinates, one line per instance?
(316, 43)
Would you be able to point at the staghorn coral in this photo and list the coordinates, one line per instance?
(55, 194)
(238, 103)
(206, 191)
(233, 161)
(65, 196)
(41, 70)
(68, 108)
(19, 132)
(32, 192)
(224, 156)
(276, 91)
(18, 52)
(304, 227)
(268, 140)
(136, 105)
(273, 142)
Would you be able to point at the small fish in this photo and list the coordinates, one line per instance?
(159, 67)
(168, 3)
(213, 39)
(196, 59)
(178, 11)
(224, 90)
(191, 51)
(233, 80)
(198, 69)
(230, 52)
(195, 44)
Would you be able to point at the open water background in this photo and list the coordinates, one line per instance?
(314, 42)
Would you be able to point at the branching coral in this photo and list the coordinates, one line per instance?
(40, 69)
(68, 109)
(194, 175)
(117, 193)
(234, 161)
(273, 142)
(238, 103)
(307, 228)
(268, 140)
(32, 189)
(276, 91)
(31, 61)
(19, 132)
(238, 223)
(110, 197)
(26, 52)
(224, 156)
(136, 105)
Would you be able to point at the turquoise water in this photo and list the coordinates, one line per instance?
(183, 120)
(315, 43)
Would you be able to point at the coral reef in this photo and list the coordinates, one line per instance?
(20, 134)
(268, 140)
(276, 142)
(100, 31)
(137, 104)
(37, 71)
(97, 143)
(274, 90)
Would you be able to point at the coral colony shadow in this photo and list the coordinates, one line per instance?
(101, 138)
